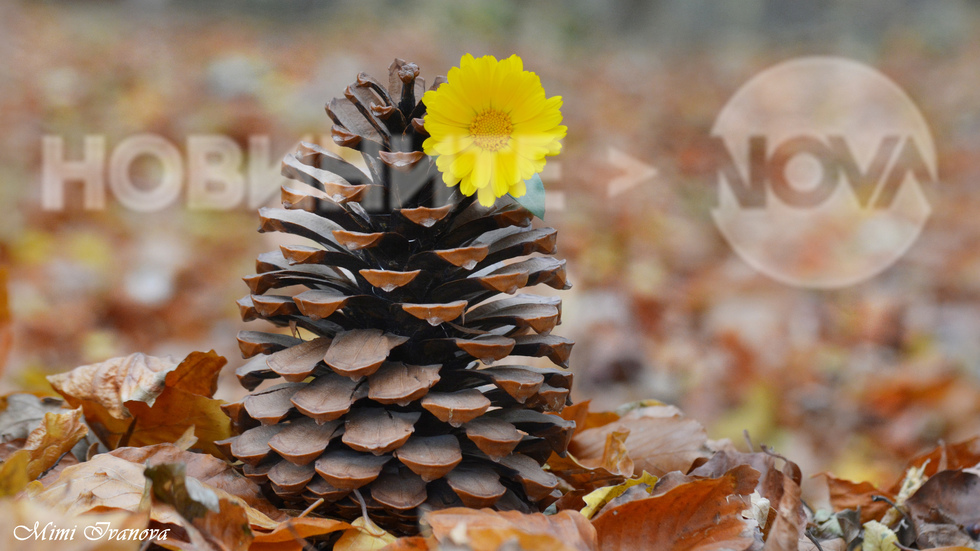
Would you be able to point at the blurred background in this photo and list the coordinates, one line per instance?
(854, 380)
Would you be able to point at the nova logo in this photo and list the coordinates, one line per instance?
(821, 164)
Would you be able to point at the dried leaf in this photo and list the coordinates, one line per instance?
(845, 494)
(363, 535)
(960, 455)
(105, 482)
(142, 400)
(111, 481)
(877, 537)
(289, 535)
(212, 472)
(20, 413)
(16, 513)
(784, 532)
(942, 508)
(610, 468)
(599, 498)
(702, 514)
(220, 521)
(13, 474)
(414, 543)
(660, 440)
(569, 529)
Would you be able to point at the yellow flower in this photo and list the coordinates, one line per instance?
(491, 127)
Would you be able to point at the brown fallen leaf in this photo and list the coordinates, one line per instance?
(703, 514)
(13, 474)
(783, 532)
(941, 509)
(611, 467)
(290, 534)
(845, 494)
(141, 400)
(211, 472)
(107, 482)
(566, 530)
(363, 535)
(585, 419)
(18, 518)
(660, 440)
(47, 444)
(22, 412)
(781, 487)
(960, 455)
(101, 484)
(414, 543)
(43, 449)
(221, 522)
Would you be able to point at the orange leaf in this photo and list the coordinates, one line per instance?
(610, 468)
(415, 543)
(567, 530)
(43, 449)
(845, 494)
(660, 440)
(142, 400)
(56, 436)
(703, 514)
(289, 535)
(211, 471)
(113, 481)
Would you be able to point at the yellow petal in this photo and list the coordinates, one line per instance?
(486, 196)
(482, 170)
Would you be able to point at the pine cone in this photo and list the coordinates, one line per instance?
(390, 397)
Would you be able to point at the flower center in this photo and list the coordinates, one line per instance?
(491, 129)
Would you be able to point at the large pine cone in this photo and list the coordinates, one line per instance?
(390, 397)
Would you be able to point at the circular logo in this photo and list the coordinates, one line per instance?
(821, 163)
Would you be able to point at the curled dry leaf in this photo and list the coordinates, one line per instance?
(783, 532)
(363, 535)
(290, 534)
(704, 514)
(103, 483)
(414, 543)
(786, 520)
(16, 513)
(564, 531)
(220, 522)
(597, 499)
(142, 400)
(21, 412)
(845, 494)
(612, 466)
(961, 455)
(943, 507)
(113, 481)
(878, 537)
(660, 440)
(211, 472)
(43, 449)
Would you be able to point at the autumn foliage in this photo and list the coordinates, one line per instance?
(137, 452)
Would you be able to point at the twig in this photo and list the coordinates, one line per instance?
(748, 439)
(311, 508)
(124, 439)
(813, 539)
(905, 515)
(48, 470)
